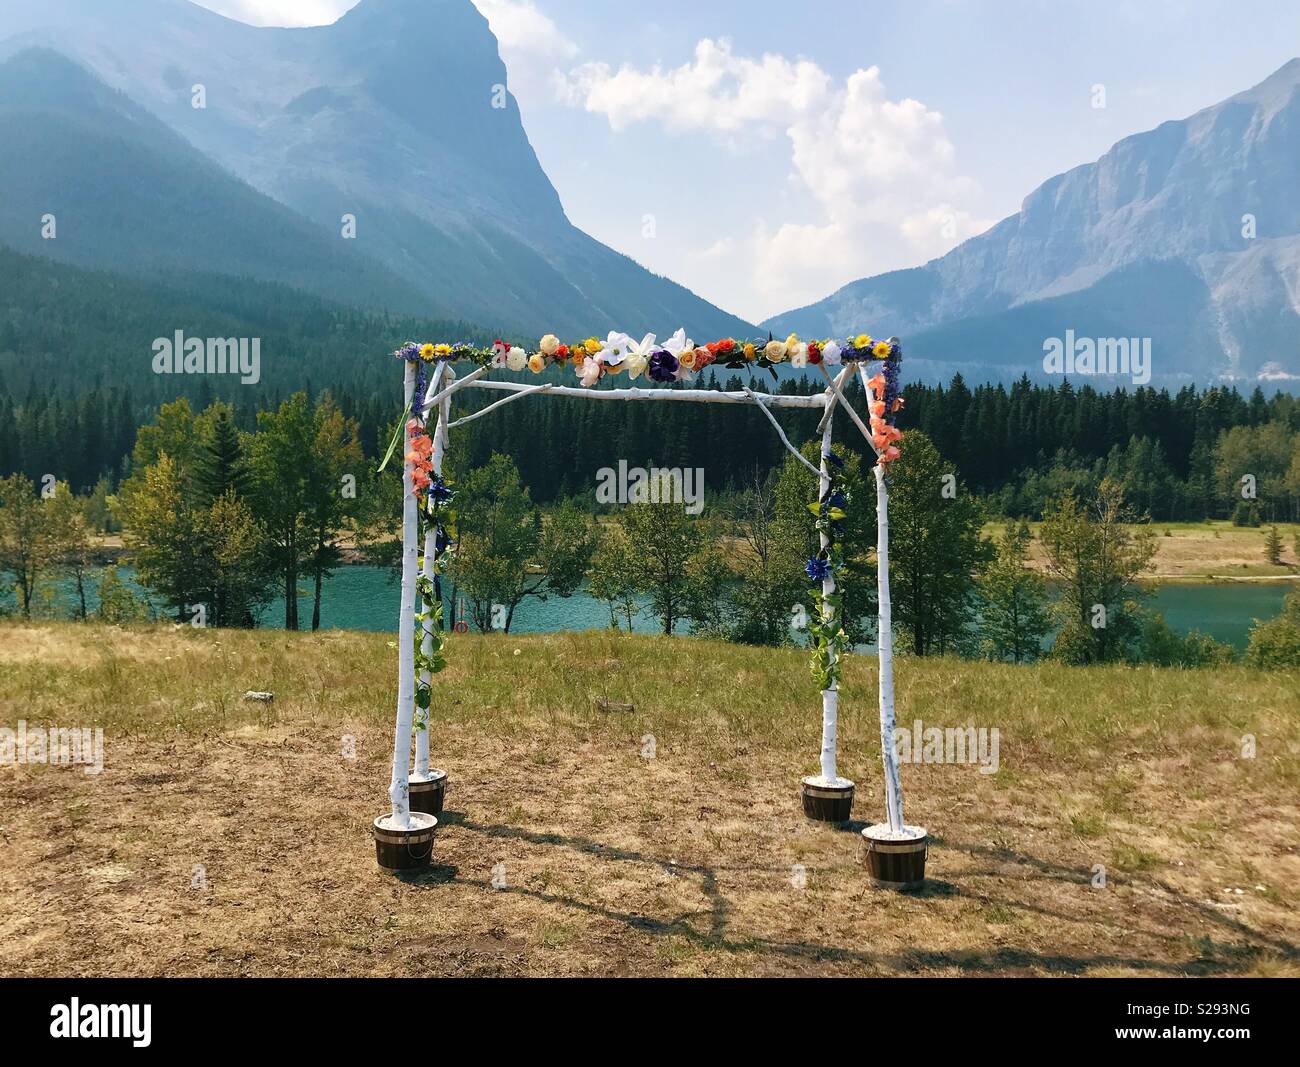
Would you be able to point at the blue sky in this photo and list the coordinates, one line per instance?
(764, 154)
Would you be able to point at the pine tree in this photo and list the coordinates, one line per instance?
(219, 466)
(936, 549)
(1014, 617)
(1273, 546)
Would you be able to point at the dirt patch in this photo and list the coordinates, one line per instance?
(252, 856)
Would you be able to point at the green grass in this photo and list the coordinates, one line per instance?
(720, 699)
(618, 864)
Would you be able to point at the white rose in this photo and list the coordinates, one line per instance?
(550, 345)
(775, 351)
(516, 359)
(831, 354)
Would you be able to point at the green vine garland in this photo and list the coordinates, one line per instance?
(434, 510)
(830, 642)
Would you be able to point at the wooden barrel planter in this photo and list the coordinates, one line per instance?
(896, 860)
(427, 793)
(399, 850)
(827, 801)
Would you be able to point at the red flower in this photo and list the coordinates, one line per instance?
(562, 352)
(726, 345)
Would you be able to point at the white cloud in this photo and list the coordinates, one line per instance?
(882, 172)
(521, 30)
(281, 12)
(718, 90)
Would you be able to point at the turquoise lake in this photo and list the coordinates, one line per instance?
(364, 598)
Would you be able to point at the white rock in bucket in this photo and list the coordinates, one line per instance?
(882, 832)
(264, 698)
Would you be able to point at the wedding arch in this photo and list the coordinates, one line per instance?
(404, 837)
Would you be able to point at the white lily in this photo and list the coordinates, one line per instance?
(678, 343)
(616, 349)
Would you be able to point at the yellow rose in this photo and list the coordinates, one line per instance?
(775, 351)
(749, 350)
(687, 359)
(591, 345)
(550, 344)
(536, 363)
(791, 341)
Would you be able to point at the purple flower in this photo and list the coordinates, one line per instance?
(663, 366)
(439, 491)
(409, 351)
(818, 569)
(889, 368)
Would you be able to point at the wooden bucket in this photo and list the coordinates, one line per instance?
(405, 850)
(826, 803)
(427, 793)
(895, 863)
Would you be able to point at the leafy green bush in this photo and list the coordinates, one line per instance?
(1276, 643)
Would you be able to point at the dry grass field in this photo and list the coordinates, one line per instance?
(230, 838)
(1200, 551)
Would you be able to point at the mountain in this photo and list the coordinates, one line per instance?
(125, 191)
(396, 115)
(1147, 242)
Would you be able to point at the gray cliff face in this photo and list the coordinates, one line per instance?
(387, 115)
(1147, 241)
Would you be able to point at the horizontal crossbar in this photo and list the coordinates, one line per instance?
(698, 396)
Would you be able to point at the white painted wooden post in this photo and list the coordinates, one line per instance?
(888, 753)
(399, 788)
(831, 696)
(445, 374)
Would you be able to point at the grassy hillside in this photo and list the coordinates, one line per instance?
(618, 864)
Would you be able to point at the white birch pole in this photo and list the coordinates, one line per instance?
(831, 696)
(888, 753)
(430, 552)
(399, 788)
(697, 396)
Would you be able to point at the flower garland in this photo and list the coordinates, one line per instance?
(435, 497)
(830, 642)
(664, 362)
(885, 404)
